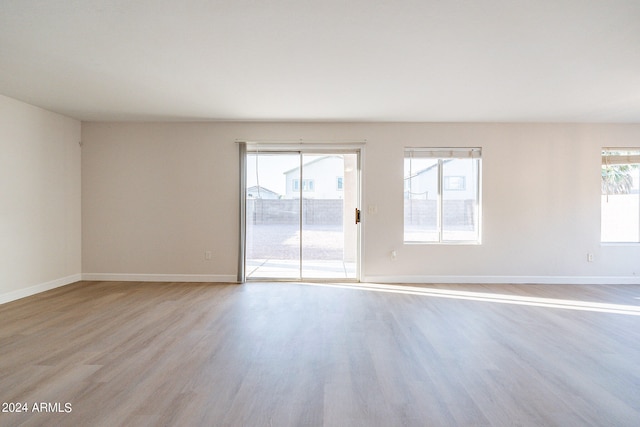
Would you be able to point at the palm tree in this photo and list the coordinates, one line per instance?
(617, 179)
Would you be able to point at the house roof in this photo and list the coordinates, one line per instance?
(427, 169)
(309, 163)
(256, 187)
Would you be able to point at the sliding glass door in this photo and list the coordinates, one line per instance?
(272, 219)
(300, 220)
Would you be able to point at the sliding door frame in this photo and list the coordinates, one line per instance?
(300, 148)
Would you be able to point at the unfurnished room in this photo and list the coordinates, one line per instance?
(320, 213)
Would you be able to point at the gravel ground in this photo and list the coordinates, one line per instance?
(321, 242)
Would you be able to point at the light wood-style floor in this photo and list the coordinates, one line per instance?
(286, 354)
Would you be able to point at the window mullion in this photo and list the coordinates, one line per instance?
(638, 180)
(440, 201)
(301, 212)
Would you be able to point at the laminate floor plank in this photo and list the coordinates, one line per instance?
(299, 354)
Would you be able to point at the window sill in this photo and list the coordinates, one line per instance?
(619, 243)
(442, 243)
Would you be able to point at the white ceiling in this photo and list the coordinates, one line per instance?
(325, 60)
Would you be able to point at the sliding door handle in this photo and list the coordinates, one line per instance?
(357, 216)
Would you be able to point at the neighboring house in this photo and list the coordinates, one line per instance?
(458, 182)
(323, 179)
(256, 192)
(459, 208)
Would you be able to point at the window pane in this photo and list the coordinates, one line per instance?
(620, 204)
(273, 222)
(442, 195)
(329, 242)
(459, 201)
(421, 200)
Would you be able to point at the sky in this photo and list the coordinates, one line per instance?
(271, 168)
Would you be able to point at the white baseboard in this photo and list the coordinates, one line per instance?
(554, 280)
(228, 278)
(117, 277)
(36, 289)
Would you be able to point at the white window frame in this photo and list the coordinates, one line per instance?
(620, 156)
(442, 155)
(308, 185)
(447, 183)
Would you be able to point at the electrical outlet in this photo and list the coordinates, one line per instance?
(589, 257)
(394, 255)
(207, 255)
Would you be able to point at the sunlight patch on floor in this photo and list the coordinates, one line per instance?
(489, 297)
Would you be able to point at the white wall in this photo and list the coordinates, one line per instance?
(155, 198)
(157, 195)
(39, 200)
